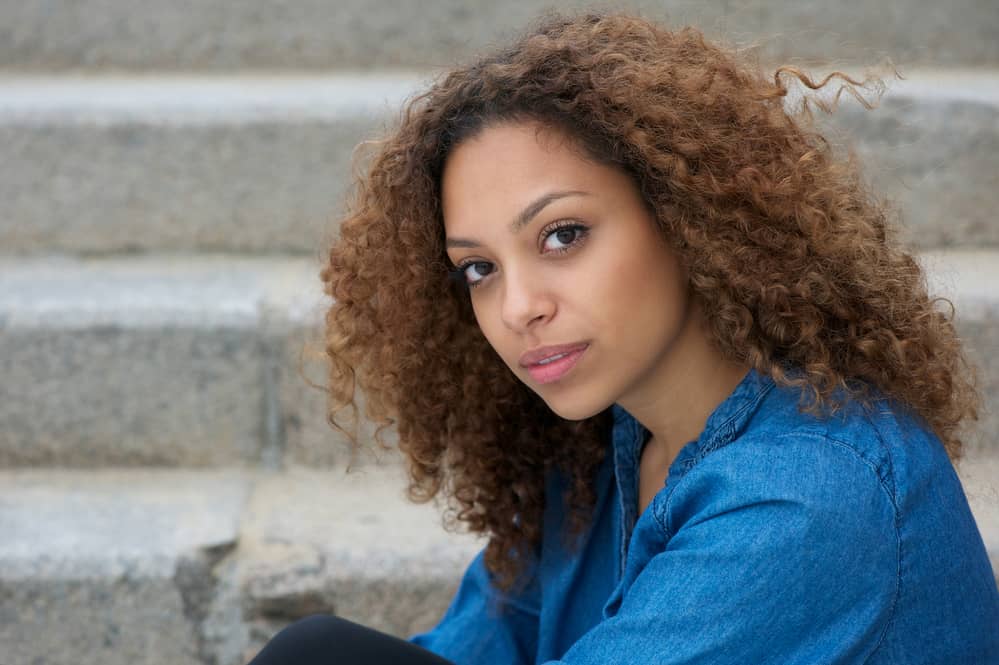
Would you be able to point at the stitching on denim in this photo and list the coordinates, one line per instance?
(667, 528)
(845, 444)
(898, 546)
(727, 428)
(895, 515)
(634, 433)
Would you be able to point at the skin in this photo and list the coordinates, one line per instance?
(618, 286)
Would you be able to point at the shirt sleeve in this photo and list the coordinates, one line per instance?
(484, 626)
(782, 553)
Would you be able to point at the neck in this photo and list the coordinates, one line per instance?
(682, 391)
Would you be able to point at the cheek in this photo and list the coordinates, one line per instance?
(619, 285)
(648, 289)
(482, 318)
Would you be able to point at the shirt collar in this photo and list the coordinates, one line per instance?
(722, 425)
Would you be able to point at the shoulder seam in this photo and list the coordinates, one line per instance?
(898, 537)
(667, 530)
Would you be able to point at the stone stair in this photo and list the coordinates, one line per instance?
(169, 489)
(199, 566)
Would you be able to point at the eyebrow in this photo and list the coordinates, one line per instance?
(525, 216)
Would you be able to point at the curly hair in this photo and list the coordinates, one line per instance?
(794, 259)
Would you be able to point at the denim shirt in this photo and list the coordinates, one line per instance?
(777, 537)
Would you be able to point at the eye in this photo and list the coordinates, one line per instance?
(468, 269)
(566, 234)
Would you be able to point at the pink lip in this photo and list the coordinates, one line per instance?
(555, 370)
(534, 356)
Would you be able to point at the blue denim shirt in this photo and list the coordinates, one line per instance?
(778, 537)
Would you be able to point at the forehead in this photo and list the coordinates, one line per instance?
(508, 163)
(513, 140)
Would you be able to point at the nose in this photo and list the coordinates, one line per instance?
(527, 300)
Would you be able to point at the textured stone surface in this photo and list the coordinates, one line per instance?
(309, 439)
(110, 396)
(982, 339)
(121, 362)
(116, 622)
(350, 544)
(115, 566)
(195, 361)
(233, 34)
(979, 476)
(968, 279)
(254, 164)
(261, 164)
(168, 567)
(933, 148)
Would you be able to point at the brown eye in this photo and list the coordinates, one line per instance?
(566, 236)
(478, 269)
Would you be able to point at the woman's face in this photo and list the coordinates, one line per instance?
(558, 250)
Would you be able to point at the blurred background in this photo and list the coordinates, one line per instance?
(170, 177)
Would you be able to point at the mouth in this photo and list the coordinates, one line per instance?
(555, 366)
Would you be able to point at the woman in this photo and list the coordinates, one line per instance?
(646, 331)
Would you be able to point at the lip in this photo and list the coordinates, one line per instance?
(556, 369)
(533, 356)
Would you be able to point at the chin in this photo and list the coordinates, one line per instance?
(574, 409)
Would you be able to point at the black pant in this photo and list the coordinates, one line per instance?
(324, 639)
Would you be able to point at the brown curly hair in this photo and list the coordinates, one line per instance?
(793, 258)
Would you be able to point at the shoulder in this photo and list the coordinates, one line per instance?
(798, 513)
(836, 472)
(830, 480)
(881, 436)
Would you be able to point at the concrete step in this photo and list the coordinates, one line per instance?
(167, 360)
(194, 361)
(243, 164)
(316, 541)
(261, 164)
(232, 34)
(161, 567)
(157, 567)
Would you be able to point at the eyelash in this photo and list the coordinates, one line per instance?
(458, 274)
